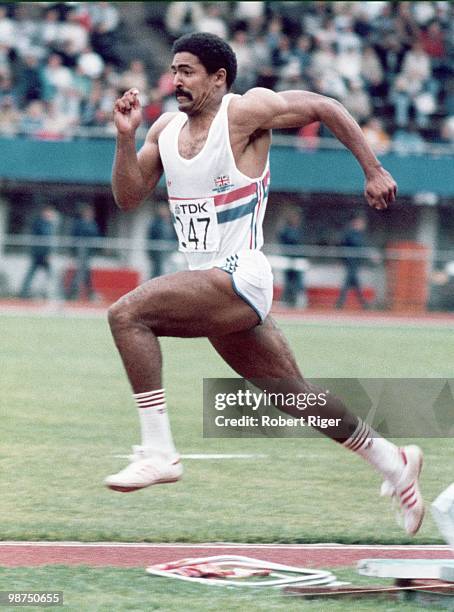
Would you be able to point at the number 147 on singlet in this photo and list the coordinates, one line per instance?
(196, 224)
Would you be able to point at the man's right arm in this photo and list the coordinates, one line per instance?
(135, 175)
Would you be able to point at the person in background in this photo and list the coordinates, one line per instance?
(291, 235)
(84, 228)
(354, 238)
(160, 228)
(43, 227)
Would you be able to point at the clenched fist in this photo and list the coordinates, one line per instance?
(380, 190)
(128, 112)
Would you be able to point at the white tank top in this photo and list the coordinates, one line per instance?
(217, 211)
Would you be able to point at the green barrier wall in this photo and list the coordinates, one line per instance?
(90, 162)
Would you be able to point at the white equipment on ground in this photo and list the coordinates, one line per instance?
(235, 570)
(443, 513)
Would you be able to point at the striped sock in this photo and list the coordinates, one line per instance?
(154, 422)
(383, 455)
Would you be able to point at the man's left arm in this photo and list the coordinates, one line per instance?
(295, 109)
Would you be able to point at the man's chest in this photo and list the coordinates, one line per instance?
(191, 144)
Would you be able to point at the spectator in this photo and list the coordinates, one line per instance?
(25, 29)
(43, 227)
(29, 84)
(408, 141)
(104, 18)
(9, 116)
(357, 101)
(212, 20)
(391, 53)
(90, 63)
(5, 66)
(32, 122)
(274, 32)
(181, 17)
(245, 61)
(55, 77)
(348, 64)
(291, 235)
(372, 74)
(6, 88)
(160, 228)
(354, 238)
(49, 29)
(253, 13)
(347, 40)
(83, 229)
(71, 31)
(91, 105)
(135, 76)
(323, 59)
(303, 53)
(261, 53)
(447, 131)
(7, 28)
(376, 135)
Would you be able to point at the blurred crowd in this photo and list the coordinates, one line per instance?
(390, 63)
(58, 67)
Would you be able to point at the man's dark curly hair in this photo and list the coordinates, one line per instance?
(212, 51)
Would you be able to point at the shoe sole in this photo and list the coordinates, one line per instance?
(121, 489)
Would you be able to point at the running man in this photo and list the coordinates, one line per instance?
(214, 153)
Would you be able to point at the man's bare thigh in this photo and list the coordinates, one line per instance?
(189, 304)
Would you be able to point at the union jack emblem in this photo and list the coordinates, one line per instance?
(222, 180)
(222, 183)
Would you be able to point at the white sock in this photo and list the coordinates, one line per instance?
(383, 455)
(154, 422)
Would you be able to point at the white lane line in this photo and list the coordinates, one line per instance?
(226, 545)
(211, 456)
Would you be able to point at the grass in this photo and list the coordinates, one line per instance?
(67, 413)
(110, 589)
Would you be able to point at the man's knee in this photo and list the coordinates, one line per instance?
(125, 312)
(119, 315)
(139, 307)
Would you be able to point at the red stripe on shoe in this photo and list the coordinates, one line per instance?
(408, 498)
(412, 504)
(407, 489)
(404, 456)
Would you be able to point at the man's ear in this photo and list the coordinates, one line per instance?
(221, 76)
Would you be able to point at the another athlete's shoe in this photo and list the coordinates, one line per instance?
(145, 469)
(406, 491)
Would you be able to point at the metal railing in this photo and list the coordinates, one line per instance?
(389, 276)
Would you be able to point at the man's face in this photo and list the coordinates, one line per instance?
(193, 85)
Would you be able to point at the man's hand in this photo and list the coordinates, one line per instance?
(128, 113)
(380, 190)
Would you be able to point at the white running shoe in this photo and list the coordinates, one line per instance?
(406, 491)
(145, 470)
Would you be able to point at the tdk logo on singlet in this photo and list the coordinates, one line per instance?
(191, 209)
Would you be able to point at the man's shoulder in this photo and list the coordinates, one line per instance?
(252, 99)
(255, 109)
(160, 124)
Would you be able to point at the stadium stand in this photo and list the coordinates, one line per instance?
(392, 61)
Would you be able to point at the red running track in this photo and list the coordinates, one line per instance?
(32, 554)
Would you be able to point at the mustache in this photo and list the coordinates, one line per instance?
(181, 92)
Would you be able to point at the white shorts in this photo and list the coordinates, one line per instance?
(252, 279)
